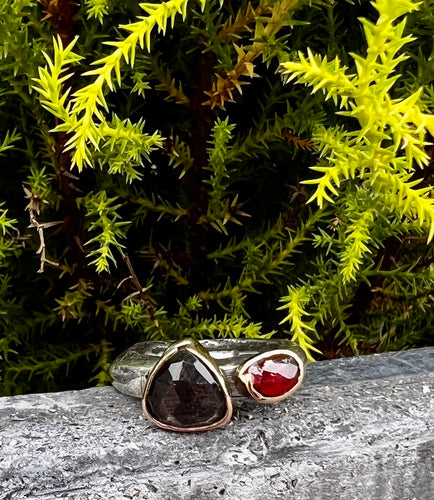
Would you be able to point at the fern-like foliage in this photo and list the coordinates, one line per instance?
(220, 208)
(366, 96)
(355, 247)
(294, 304)
(194, 218)
(8, 141)
(89, 102)
(120, 138)
(8, 245)
(97, 9)
(379, 154)
(109, 229)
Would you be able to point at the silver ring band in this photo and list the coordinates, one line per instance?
(130, 369)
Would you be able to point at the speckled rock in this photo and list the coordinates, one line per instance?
(359, 428)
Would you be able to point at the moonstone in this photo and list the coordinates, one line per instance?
(185, 393)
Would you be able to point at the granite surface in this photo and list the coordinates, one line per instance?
(359, 428)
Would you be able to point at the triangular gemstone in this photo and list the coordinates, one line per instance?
(185, 394)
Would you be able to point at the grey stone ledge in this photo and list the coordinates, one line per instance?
(359, 428)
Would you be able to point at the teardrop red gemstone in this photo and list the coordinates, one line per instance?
(275, 376)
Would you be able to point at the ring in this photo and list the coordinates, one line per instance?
(189, 385)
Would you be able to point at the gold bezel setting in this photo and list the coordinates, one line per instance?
(246, 379)
(194, 391)
(194, 348)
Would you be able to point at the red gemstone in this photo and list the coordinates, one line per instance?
(275, 376)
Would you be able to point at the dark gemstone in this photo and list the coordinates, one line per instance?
(185, 393)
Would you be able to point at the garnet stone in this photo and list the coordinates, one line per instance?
(275, 376)
(184, 393)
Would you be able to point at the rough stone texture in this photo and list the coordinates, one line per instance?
(359, 428)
